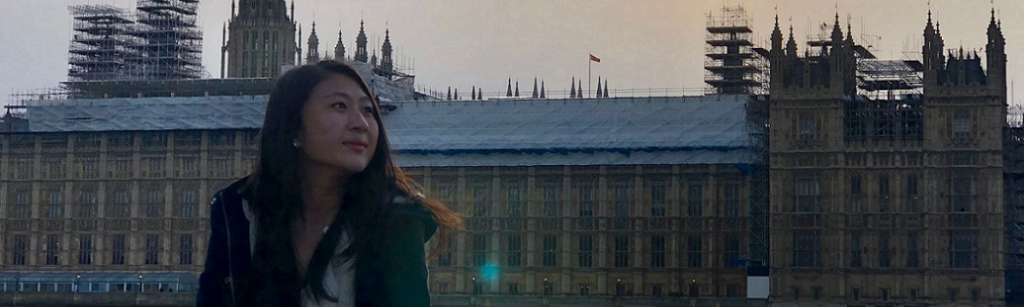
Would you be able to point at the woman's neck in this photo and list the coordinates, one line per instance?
(321, 192)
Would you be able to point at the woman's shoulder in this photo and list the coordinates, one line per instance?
(408, 208)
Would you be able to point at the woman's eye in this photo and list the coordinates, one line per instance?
(338, 105)
(368, 110)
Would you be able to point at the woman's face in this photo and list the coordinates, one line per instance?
(339, 131)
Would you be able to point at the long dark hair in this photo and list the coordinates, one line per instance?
(274, 193)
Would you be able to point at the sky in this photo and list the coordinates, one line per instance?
(644, 45)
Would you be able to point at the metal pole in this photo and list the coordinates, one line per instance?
(589, 62)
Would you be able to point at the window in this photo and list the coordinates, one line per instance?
(975, 295)
(120, 139)
(120, 206)
(856, 294)
(622, 251)
(952, 293)
(51, 250)
(816, 291)
(961, 126)
(694, 248)
(513, 288)
(185, 250)
(694, 204)
(22, 205)
(806, 195)
(856, 249)
(963, 249)
(913, 259)
(188, 203)
(514, 250)
(188, 164)
(883, 193)
(962, 194)
(912, 194)
(551, 201)
(478, 287)
(156, 165)
(657, 251)
(444, 258)
(549, 288)
(85, 249)
(694, 290)
(54, 210)
(586, 251)
(19, 249)
(884, 253)
(656, 290)
(153, 249)
(586, 199)
(806, 248)
(733, 291)
(117, 249)
(154, 203)
(913, 295)
(732, 249)
(87, 204)
(550, 250)
(442, 288)
(584, 289)
(732, 200)
(622, 190)
(806, 128)
(620, 289)
(481, 199)
(796, 293)
(515, 200)
(479, 249)
(658, 199)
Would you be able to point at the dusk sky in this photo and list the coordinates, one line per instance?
(463, 43)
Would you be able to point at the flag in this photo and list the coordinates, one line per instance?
(595, 59)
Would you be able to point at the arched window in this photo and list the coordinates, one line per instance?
(274, 46)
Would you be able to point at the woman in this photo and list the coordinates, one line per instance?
(326, 218)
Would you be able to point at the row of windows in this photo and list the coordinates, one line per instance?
(962, 194)
(512, 255)
(480, 195)
(962, 249)
(584, 289)
(182, 139)
(884, 294)
(902, 120)
(85, 250)
(122, 167)
(120, 205)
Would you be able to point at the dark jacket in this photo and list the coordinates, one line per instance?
(402, 282)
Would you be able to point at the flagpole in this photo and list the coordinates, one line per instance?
(589, 62)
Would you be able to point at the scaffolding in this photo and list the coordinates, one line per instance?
(888, 102)
(169, 43)
(99, 46)
(731, 65)
(758, 113)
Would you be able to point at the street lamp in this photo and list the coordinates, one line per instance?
(78, 279)
(140, 282)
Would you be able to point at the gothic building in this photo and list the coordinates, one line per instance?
(261, 39)
(887, 192)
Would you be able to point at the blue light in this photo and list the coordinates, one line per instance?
(489, 272)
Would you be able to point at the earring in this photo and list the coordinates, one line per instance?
(295, 142)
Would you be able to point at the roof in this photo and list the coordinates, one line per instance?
(657, 130)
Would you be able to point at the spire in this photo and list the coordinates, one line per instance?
(456, 94)
(313, 55)
(232, 8)
(542, 90)
(777, 35)
(223, 48)
(480, 94)
(293, 11)
(536, 94)
(517, 88)
(579, 91)
(361, 54)
(598, 87)
(837, 33)
(572, 90)
(508, 93)
(386, 62)
(449, 93)
(791, 44)
(605, 88)
(473, 94)
(339, 49)
(298, 54)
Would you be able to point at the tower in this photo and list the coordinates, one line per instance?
(361, 54)
(313, 54)
(261, 39)
(730, 54)
(386, 63)
(339, 50)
